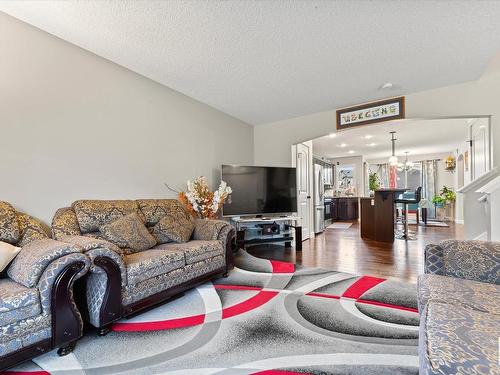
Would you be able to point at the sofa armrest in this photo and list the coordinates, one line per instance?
(205, 229)
(216, 230)
(31, 229)
(35, 257)
(226, 235)
(433, 259)
(106, 279)
(96, 249)
(76, 263)
(472, 260)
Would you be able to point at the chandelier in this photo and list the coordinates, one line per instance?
(407, 165)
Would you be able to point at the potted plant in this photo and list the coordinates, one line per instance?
(438, 201)
(373, 183)
(448, 195)
(444, 201)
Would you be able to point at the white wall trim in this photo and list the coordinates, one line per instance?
(482, 237)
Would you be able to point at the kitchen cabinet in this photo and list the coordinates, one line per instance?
(345, 208)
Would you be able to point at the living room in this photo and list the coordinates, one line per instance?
(113, 263)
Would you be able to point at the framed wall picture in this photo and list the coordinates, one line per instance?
(346, 178)
(382, 110)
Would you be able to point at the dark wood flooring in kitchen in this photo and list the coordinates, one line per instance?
(344, 250)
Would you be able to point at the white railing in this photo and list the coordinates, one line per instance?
(490, 197)
(480, 217)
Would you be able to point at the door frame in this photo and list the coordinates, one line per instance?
(471, 148)
(310, 205)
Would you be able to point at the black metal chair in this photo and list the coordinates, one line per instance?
(407, 235)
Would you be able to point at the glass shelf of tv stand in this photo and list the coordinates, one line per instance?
(248, 233)
(251, 234)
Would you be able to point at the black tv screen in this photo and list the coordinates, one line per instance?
(260, 190)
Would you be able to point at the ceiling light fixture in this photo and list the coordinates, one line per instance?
(351, 151)
(368, 136)
(393, 160)
(332, 135)
(386, 86)
(371, 144)
(343, 145)
(407, 165)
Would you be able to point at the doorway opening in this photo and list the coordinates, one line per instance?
(439, 155)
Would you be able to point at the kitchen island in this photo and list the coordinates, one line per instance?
(377, 215)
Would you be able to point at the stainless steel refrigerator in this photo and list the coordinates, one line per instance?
(319, 199)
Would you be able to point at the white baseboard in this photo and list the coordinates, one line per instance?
(459, 221)
(482, 237)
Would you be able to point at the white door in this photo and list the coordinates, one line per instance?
(480, 148)
(303, 189)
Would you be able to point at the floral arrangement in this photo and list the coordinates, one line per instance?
(200, 201)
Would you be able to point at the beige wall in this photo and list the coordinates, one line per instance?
(74, 125)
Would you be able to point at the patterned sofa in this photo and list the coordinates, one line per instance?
(122, 283)
(459, 305)
(37, 311)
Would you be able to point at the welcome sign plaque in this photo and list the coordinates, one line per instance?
(383, 110)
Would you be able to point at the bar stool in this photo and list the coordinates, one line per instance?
(407, 235)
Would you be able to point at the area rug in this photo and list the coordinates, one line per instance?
(430, 223)
(267, 317)
(339, 226)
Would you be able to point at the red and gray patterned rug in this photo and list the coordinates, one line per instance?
(267, 317)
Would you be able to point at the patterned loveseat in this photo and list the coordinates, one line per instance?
(122, 282)
(459, 305)
(37, 311)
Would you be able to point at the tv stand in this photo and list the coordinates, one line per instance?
(249, 231)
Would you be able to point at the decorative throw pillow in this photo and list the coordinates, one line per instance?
(177, 228)
(128, 232)
(7, 253)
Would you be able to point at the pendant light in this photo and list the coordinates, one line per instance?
(393, 160)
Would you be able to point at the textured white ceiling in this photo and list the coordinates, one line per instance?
(263, 61)
(417, 137)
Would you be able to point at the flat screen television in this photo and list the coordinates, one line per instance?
(260, 190)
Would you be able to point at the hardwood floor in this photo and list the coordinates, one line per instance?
(346, 251)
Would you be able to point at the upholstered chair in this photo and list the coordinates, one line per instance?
(37, 311)
(123, 281)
